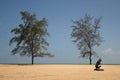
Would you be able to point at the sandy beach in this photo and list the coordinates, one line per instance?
(58, 72)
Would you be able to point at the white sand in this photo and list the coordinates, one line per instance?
(58, 72)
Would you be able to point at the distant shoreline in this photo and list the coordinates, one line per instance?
(53, 64)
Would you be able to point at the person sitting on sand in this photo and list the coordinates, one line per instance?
(97, 67)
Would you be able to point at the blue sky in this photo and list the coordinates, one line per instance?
(60, 14)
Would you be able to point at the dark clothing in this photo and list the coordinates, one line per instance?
(98, 63)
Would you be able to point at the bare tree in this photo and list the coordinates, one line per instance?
(86, 35)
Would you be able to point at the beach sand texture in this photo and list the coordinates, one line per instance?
(58, 72)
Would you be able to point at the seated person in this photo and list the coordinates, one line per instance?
(97, 67)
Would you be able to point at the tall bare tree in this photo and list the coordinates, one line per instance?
(30, 37)
(86, 35)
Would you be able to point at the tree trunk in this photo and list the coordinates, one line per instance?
(32, 59)
(32, 53)
(90, 57)
(32, 45)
